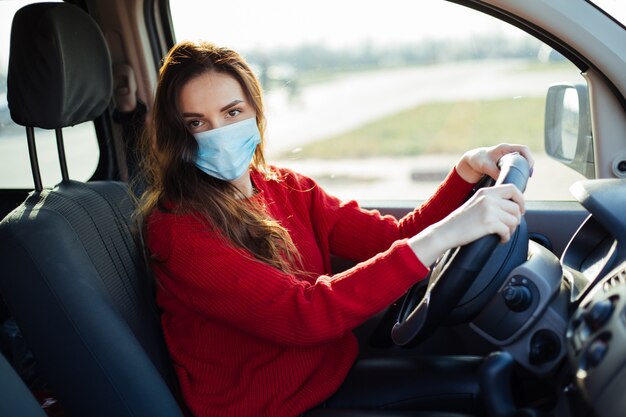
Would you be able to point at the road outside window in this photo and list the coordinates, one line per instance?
(379, 104)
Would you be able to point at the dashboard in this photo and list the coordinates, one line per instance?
(596, 263)
(596, 341)
(565, 319)
(589, 256)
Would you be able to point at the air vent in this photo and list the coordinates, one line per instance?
(615, 281)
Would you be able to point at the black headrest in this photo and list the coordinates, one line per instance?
(59, 67)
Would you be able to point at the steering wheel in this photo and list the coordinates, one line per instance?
(454, 272)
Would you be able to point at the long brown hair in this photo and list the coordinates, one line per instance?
(173, 180)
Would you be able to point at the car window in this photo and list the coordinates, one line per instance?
(378, 100)
(81, 149)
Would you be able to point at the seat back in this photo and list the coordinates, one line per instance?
(71, 270)
(15, 398)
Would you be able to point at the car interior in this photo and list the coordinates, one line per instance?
(530, 330)
(106, 330)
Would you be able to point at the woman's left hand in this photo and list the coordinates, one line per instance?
(484, 161)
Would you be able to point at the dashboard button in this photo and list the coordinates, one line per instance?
(597, 352)
(598, 314)
(517, 297)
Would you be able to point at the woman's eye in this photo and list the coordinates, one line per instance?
(194, 124)
(234, 112)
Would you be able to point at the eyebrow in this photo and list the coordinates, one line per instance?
(231, 104)
(226, 107)
(192, 115)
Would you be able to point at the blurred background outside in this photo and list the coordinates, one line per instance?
(375, 100)
(378, 100)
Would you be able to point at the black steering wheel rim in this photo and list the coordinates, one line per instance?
(453, 273)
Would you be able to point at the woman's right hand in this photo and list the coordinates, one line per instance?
(494, 210)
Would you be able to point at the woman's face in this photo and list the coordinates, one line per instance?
(213, 100)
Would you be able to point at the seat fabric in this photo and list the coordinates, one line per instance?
(15, 398)
(76, 282)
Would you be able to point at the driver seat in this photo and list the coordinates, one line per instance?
(71, 272)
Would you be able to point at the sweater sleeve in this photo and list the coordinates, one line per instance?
(357, 234)
(225, 283)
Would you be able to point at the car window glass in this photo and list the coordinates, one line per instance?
(378, 100)
(81, 146)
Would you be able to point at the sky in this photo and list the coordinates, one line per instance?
(246, 24)
(267, 24)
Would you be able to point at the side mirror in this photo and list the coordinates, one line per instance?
(568, 137)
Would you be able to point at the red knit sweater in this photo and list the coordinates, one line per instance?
(249, 340)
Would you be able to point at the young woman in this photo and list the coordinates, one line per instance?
(254, 319)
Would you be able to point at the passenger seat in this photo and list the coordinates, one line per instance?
(15, 398)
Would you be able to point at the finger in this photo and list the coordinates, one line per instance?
(525, 152)
(505, 192)
(500, 224)
(511, 222)
(517, 197)
(490, 167)
(504, 210)
(504, 233)
(510, 208)
(531, 161)
(507, 222)
(508, 191)
(522, 150)
(493, 156)
(528, 155)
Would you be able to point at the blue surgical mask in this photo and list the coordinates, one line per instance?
(226, 152)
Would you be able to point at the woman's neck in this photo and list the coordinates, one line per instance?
(244, 184)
